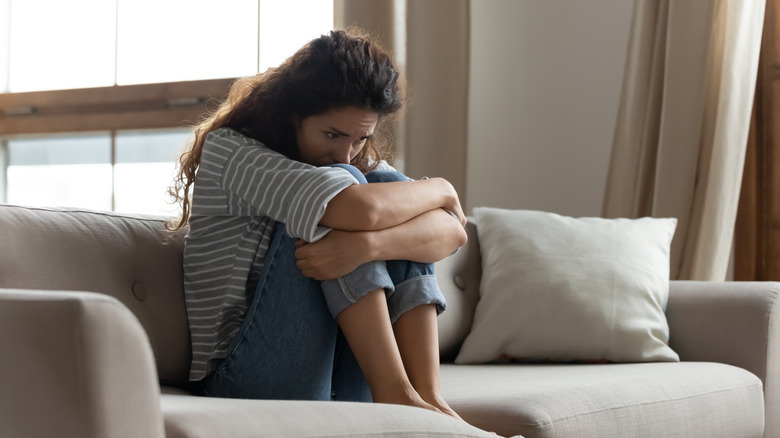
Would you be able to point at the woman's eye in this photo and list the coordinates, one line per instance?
(332, 135)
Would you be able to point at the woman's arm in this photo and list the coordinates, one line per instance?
(258, 181)
(372, 207)
(426, 238)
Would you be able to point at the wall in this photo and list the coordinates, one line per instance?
(545, 79)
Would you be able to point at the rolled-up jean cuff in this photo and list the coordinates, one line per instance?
(345, 291)
(414, 292)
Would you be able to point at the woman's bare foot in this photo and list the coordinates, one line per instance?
(406, 397)
(431, 401)
(434, 398)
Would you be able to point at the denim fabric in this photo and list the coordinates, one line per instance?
(415, 285)
(345, 291)
(410, 284)
(289, 345)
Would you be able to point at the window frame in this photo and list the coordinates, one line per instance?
(168, 105)
(118, 107)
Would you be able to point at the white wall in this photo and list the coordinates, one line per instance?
(544, 84)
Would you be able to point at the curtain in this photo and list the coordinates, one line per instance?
(681, 133)
(756, 235)
(430, 41)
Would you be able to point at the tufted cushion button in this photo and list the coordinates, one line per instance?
(460, 282)
(139, 291)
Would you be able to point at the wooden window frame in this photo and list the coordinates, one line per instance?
(105, 109)
(118, 107)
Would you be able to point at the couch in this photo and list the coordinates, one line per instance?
(94, 342)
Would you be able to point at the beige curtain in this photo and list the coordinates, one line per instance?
(430, 40)
(683, 121)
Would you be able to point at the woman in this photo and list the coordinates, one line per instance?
(303, 275)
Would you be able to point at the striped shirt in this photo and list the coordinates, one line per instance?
(241, 190)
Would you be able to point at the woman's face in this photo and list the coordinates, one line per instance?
(336, 136)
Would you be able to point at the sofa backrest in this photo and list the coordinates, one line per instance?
(133, 258)
(459, 276)
(129, 257)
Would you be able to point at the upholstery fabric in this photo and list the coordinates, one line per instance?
(54, 249)
(128, 257)
(190, 417)
(732, 323)
(458, 277)
(75, 365)
(616, 400)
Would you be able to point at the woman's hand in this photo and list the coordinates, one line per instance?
(335, 255)
(453, 201)
(427, 238)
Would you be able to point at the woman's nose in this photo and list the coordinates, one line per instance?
(343, 154)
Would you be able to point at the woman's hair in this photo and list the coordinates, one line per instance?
(341, 69)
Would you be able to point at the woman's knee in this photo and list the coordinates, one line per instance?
(375, 176)
(381, 176)
(353, 170)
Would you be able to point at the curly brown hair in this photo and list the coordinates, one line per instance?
(342, 69)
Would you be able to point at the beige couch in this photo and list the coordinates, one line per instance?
(114, 363)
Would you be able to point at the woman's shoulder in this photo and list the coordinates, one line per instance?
(226, 141)
(230, 137)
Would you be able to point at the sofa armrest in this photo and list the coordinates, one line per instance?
(736, 323)
(75, 364)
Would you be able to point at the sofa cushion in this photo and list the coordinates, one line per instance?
(130, 257)
(188, 416)
(685, 399)
(562, 288)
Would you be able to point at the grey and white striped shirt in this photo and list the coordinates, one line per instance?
(242, 188)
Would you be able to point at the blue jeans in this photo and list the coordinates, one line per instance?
(290, 346)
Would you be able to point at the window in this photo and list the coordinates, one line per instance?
(143, 169)
(124, 171)
(64, 170)
(51, 44)
(94, 93)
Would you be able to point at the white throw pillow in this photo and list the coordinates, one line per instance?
(570, 289)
